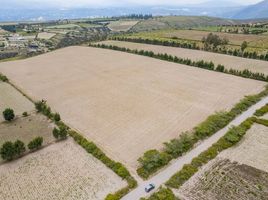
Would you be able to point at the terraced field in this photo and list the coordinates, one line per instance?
(126, 103)
(11, 98)
(59, 171)
(196, 55)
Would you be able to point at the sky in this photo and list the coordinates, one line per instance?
(105, 3)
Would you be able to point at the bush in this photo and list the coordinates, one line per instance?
(162, 194)
(7, 151)
(262, 111)
(3, 78)
(57, 117)
(60, 133)
(182, 176)
(8, 114)
(25, 114)
(19, 148)
(151, 161)
(35, 143)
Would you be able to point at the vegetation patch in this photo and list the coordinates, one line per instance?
(162, 194)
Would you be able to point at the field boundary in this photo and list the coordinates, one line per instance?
(90, 147)
(193, 45)
(200, 64)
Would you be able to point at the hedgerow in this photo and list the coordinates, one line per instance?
(177, 147)
(117, 167)
(193, 45)
(200, 64)
(162, 194)
(262, 111)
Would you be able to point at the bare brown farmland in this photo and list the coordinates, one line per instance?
(196, 55)
(59, 171)
(11, 98)
(126, 103)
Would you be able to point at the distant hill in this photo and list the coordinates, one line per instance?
(158, 23)
(259, 10)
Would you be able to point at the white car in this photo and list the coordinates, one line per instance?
(149, 187)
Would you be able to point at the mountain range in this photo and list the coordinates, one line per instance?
(221, 8)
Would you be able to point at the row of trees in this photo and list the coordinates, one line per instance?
(10, 150)
(211, 43)
(200, 64)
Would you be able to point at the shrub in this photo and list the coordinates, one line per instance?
(57, 117)
(25, 114)
(35, 143)
(7, 151)
(151, 161)
(162, 194)
(262, 111)
(8, 114)
(60, 133)
(19, 148)
(182, 176)
(3, 78)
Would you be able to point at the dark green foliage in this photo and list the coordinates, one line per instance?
(60, 133)
(3, 78)
(35, 143)
(262, 111)
(151, 161)
(177, 147)
(57, 117)
(220, 68)
(19, 147)
(25, 114)
(244, 45)
(118, 168)
(162, 194)
(212, 41)
(10, 151)
(7, 151)
(8, 114)
(182, 176)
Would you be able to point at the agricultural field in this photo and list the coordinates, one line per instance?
(121, 101)
(26, 129)
(59, 171)
(45, 35)
(11, 98)
(64, 26)
(122, 25)
(196, 55)
(159, 23)
(240, 172)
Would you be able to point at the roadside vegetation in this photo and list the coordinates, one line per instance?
(162, 194)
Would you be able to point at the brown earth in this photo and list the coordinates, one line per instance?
(125, 103)
(196, 55)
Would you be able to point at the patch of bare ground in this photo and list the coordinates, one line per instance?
(252, 150)
(127, 104)
(59, 171)
(26, 129)
(197, 55)
(221, 179)
(11, 98)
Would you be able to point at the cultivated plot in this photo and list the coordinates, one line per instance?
(11, 98)
(59, 171)
(126, 103)
(122, 25)
(196, 55)
(26, 129)
(240, 172)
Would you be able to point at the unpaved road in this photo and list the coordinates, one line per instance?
(164, 175)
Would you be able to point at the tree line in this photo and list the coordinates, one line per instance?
(200, 64)
(211, 43)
